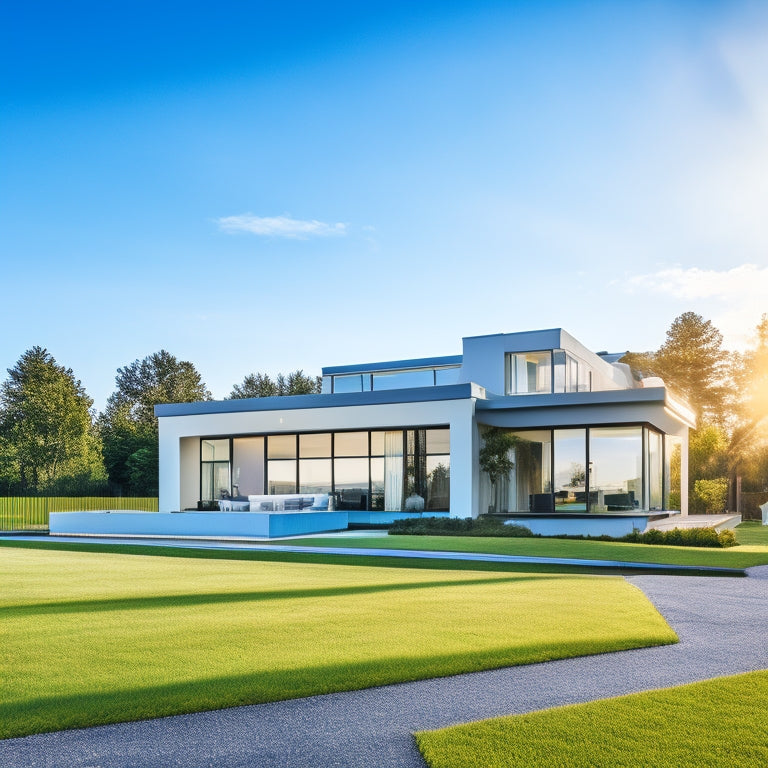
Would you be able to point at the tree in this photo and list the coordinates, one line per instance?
(692, 363)
(749, 438)
(128, 424)
(261, 385)
(46, 426)
(494, 456)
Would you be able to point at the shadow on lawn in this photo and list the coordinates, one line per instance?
(62, 712)
(213, 598)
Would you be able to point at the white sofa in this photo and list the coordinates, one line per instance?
(290, 502)
(228, 505)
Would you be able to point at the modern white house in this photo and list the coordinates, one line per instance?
(386, 440)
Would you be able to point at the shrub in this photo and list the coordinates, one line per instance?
(684, 537)
(455, 526)
(710, 496)
(492, 526)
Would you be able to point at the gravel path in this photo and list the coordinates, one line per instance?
(721, 624)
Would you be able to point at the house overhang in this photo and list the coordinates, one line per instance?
(652, 405)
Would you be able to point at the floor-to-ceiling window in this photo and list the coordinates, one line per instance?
(655, 469)
(351, 469)
(616, 469)
(281, 464)
(247, 466)
(570, 470)
(673, 447)
(590, 469)
(438, 469)
(364, 470)
(530, 484)
(214, 469)
(315, 471)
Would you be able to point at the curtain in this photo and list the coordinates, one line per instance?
(393, 471)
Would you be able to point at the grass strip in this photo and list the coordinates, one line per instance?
(751, 551)
(714, 724)
(365, 561)
(92, 638)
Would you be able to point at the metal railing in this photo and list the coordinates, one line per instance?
(30, 513)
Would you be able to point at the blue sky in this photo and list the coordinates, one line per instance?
(271, 186)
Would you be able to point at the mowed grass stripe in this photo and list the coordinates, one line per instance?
(169, 635)
(714, 724)
(752, 549)
(315, 558)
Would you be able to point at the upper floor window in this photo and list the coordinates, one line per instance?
(528, 373)
(545, 372)
(393, 379)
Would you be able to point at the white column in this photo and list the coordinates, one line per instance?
(463, 496)
(170, 468)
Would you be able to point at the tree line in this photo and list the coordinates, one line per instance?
(53, 442)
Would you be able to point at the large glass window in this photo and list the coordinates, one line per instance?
(281, 476)
(378, 441)
(214, 469)
(350, 444)
(315, 446)
(351, 482)
(655, 468)
(354, 382)
(570, 470)
(530, 485)
(377, 483)
(600, 469)
(616, 468)
(365, 470)
(672, 471)
(422, 377)
(438, 441)
(528, 373)
(314, 476)
(438, 485)
(214, 450)
(247, 466)
(281, 447)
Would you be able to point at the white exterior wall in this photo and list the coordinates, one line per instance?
(180, 480)
(189, 481)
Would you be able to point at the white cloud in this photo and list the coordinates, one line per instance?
(734, 299)
(746, 280)
(280, 226)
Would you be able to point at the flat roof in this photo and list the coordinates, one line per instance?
(296, 402)
(394, 365)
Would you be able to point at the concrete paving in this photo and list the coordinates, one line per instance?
(721, 624)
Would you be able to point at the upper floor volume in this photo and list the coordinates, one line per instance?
(525, 363)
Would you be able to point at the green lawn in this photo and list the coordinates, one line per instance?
(95, 637)
(714, 724)
(752, 549)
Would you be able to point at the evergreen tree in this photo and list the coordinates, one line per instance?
(692, 362)
(261, 385)
(46, 427)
